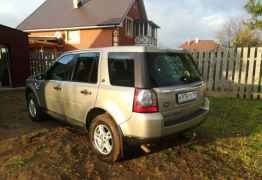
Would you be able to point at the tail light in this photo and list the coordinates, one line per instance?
(145, 101)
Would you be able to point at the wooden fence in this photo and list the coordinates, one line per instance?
(41, 60)
(228, 72)
(232, 72)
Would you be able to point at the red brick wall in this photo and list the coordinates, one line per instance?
(89, 38)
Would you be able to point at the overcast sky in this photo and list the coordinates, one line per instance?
(180, 20)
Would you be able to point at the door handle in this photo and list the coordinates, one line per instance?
(57, 88)
(86, 92)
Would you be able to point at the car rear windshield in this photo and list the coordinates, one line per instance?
(170, 69)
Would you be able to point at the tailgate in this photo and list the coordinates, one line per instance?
(180, 101)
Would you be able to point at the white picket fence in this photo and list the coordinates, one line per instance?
(232, 72)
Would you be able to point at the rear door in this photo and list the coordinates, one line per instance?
(79, 95)
(177, 83)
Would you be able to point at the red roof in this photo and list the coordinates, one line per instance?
(201, 45)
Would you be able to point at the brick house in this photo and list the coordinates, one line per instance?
(81, 24)
(201, 45)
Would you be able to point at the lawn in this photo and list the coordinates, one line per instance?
(227, 146)
(233, 130)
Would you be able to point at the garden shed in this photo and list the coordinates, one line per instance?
(14, 57)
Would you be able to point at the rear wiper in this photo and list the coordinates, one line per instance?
(185, 78)
(188, 79)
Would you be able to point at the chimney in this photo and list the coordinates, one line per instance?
(77, 4)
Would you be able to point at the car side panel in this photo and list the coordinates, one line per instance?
(52, 96)
(117, 101)
(75, 102)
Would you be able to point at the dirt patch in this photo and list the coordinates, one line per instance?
(51, 150)
(14, 119)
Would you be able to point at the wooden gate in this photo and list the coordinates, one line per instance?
(42, 60)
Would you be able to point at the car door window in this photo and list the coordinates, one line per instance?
(62, 69)
(87, 68)
(121, 69)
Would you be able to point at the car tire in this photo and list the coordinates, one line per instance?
(105, 138)
(33, 108)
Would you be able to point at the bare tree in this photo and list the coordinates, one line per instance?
(229, 31)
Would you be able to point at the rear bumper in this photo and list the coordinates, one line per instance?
(140, 141)
(143, 128)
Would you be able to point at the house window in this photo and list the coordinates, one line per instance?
(129, 27)
(136, 29)
(73, 37)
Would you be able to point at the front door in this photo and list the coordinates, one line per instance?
(79, 96)
(52, 88)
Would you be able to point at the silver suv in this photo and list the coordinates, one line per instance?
(122, 95)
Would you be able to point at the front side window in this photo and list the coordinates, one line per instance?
(62, 69)
(121, 69)
(87, 68)
(169, 69)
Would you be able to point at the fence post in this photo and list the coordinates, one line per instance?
(218, 70)
(243, 73)
(230, 78)
(257, 74)
(237, 72)
(250, 71)
(200, 64)
(211, 72)
(224, 69)
(206, 66)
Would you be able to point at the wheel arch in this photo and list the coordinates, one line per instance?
(98, 111)
(116, 116)
(92, 114)
(30, 90)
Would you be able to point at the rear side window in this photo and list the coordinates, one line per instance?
(87, 68)
(121, 69)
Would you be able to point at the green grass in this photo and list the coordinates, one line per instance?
(234, 128)
(227, 146)
(17, 162)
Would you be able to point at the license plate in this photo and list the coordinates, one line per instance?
(186, 97)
